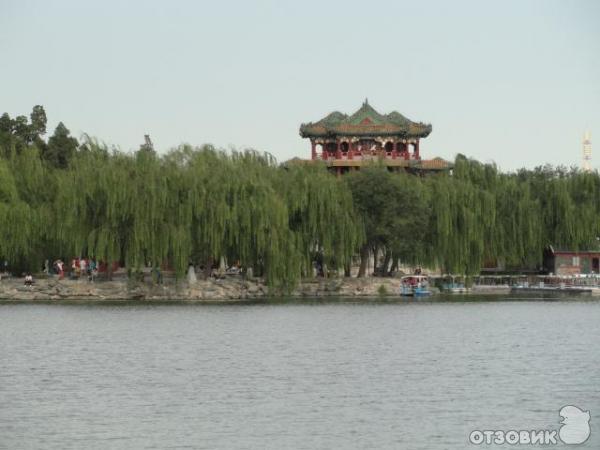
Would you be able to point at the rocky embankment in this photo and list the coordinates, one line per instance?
(228, 289)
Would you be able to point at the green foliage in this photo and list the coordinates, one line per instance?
(196, 204)
(5, 123)
(61, 147)
(477, 215)
(38, 121)
(395, 210)
(482, 215)
(16, 134)
(319, 226)
(202, 204)
(21, 128)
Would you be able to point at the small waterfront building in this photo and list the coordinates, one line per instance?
(347, 142)
(570, 262)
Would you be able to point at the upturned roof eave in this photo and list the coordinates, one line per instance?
(339, 124)
(334, 133)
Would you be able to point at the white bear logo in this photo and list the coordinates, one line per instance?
(576, 427)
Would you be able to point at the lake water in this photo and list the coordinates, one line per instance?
(310, 375)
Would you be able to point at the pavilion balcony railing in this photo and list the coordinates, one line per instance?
(366, 157)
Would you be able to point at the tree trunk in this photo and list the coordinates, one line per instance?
(375, 255)
(364, 259)
(386, 262)
(208, 268)
(394, 266)
(347, 270)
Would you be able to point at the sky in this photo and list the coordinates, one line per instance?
(516, 83)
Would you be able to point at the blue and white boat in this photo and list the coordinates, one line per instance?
(414, 286)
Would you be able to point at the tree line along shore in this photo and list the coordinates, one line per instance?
(61, 198)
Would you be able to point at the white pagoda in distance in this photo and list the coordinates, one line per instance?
(586, 166)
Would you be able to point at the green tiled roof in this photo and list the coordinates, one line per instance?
(365, 122)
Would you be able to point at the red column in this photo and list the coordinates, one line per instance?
(406, 151)
(417, 150)
(338, 151)
(313, 153)
(395, 150)
(325, 156)
(350, 151)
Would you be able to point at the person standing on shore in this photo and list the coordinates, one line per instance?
(61, 269)
(158, 275)
(92, 270)
(29, 280)
(82, 267)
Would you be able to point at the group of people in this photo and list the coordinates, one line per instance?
(214, 270)
(90, 267)
(79, 267)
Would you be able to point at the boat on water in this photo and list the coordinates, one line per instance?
(457, 288)
(451, 286)
(414, 286)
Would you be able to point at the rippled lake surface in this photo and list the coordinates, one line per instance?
(310, 375)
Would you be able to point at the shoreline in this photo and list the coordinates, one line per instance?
(229, 290)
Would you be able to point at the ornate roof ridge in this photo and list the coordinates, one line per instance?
(365, 121)
(366, 111)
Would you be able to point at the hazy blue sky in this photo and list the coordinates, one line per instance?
(515, 82)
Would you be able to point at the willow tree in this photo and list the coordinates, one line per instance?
(94, 204)
(132, 208)
(16, 219)
(27, 217)
(584, 188)
(238, 214)
(394, 208)
(202, 205)
(569, 205)
(461, 217)
(506, 212)
(517, 237)
(321, 216)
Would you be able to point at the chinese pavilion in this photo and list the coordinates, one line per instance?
(348, 142)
